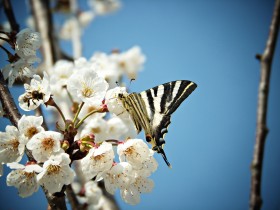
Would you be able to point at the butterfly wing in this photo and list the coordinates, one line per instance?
(160, 102)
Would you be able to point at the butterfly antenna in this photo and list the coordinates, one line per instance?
(117, 83)
(161, 151)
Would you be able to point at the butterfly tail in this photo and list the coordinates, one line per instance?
(161, 151)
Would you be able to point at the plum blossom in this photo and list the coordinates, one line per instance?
(131, 194)
(11, 145)
(30, 125)
(114, 103)
(24, 178)
(121, 175)
(37, 92)
(45, 144)
(134, 151)
(56, 173)
(87, 86)
(130, 62)
(105, 6)
(27, 42)
(98, 160)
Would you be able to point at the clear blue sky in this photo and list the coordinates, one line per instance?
(211, 137)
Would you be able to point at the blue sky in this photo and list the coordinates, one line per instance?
(211, 137)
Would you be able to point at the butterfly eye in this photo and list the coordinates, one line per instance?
(120, 95)
(148, 138)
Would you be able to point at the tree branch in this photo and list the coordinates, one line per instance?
(43, 20)
(10, 15)
(261, 132)
(8, 103)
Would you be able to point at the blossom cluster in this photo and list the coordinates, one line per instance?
(94, 131)
(26, 44)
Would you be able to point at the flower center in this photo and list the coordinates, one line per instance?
(129, 151)
(31, 132)
(87, 91)
(53, 169)
(15, 144)
(98, 157)
(29, 175)
(96, 130)
(48, 143)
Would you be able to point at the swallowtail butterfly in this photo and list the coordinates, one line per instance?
(152, 110)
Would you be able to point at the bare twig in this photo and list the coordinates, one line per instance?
(10, 15)
(266, 61)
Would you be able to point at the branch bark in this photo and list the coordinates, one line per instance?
(10, 15)
(8, 103)
(261, 131)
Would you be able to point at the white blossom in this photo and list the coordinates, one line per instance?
(59, 74)
(37, 92)
(116, 128)
(134, 151)
(24, 178)
(84, 18)
(114, 103)
(11, 145)
(56, 173)
(105, 6)
(131, 194)
(107, 68)
(45, 144)
(149, 165)
(87, 85)
(27, 43)
(21, 68)
(130, 61)
(93, 193)
(98, 127)
(28, 126)
(121, 175)
(98, 160)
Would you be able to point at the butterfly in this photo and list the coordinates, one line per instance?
(151, 110)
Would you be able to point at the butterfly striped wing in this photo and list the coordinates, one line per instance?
(152, 109)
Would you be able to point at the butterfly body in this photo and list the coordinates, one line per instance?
(151, 110)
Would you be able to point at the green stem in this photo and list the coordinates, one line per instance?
(82, 120)
(78, 112)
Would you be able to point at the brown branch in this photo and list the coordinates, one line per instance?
(8, 103)
(261, 132)
(10, 15)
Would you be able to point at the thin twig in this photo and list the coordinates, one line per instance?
(266, 61)
(10, 15)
